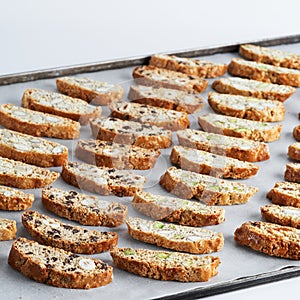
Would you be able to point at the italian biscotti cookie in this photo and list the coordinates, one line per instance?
(264, 72)
(131, 132)
(103, 181)
(292, 172)
(208, 189)
(37, 123)
(158, 77)
(269, 238)
(166, 98)
(31, 150)
(247, 107)
(211, 164)
(8, 229)
(161, 117)
(190, 66)
(294, 151)
(93, 91)
(242, 149)
(231, 126)
(114, 155)
(165, 265)
(296, 133)
(176, 210)
(57, 267)
(13, 199)
(85, 209)
(270, 56)
(253, 88)
(60, 105)
(175, 237)
(76, 239)
(282, 215)
(23, 176)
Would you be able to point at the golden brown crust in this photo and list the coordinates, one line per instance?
(271, 239)
(8, 229)
(292, 172)
(30, 265)
(78, 91)
(296, 133)
(163, 265)
(190, 66)
(148, 75)
(294, 151)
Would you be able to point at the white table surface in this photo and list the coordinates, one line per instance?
(44, 34)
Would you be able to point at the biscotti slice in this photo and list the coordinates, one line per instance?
(294, 151)
(264, 72)
(158, 77)
(270, 56)
(166, 98)
(282, 215)
(292, 172)
(147, 114)
(211, 164)
(242, 149)
(76, 239)
(60, 105)
(131, 132)
(296, 133)
(208, 189)
(175, 237)
(176, 210)
(242, 128)
(31, 150)
(8, 229)
(23, 176)
(253, 88)
(58, 267)
(103, 181)
(165, 265)
(247, 107)
(37, 123)
(269, 238)
(93, 91)
(285, 193)
(118, 156)
(85, 209)
(13, 199)
(190, 66)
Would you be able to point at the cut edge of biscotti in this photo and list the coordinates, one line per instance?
(60, 105)
(242, 149)
(114, 155)
(158, 77)
(190, 66)
(207, 189)
(211, 164)
(166, 98)
(14, 199)
(32, 150)
(294, 151)
(176, 237)
(52, 232)
(66, 269)
(253, 88)
(93, 91)
(147, 114)
(24, 176)
(8, 229)
(250, 108)
(292, 172)
(236, 127)
(165, 265)
(37, 123)
(85, 209)
(176, 210)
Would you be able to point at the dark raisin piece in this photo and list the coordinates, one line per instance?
(75, 231)
(94, 238)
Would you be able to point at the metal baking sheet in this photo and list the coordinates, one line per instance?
(240, 267)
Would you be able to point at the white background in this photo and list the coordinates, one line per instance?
(45, 34)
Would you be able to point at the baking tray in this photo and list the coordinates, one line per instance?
(240, 267)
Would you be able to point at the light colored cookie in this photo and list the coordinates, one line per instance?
(8, 229)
